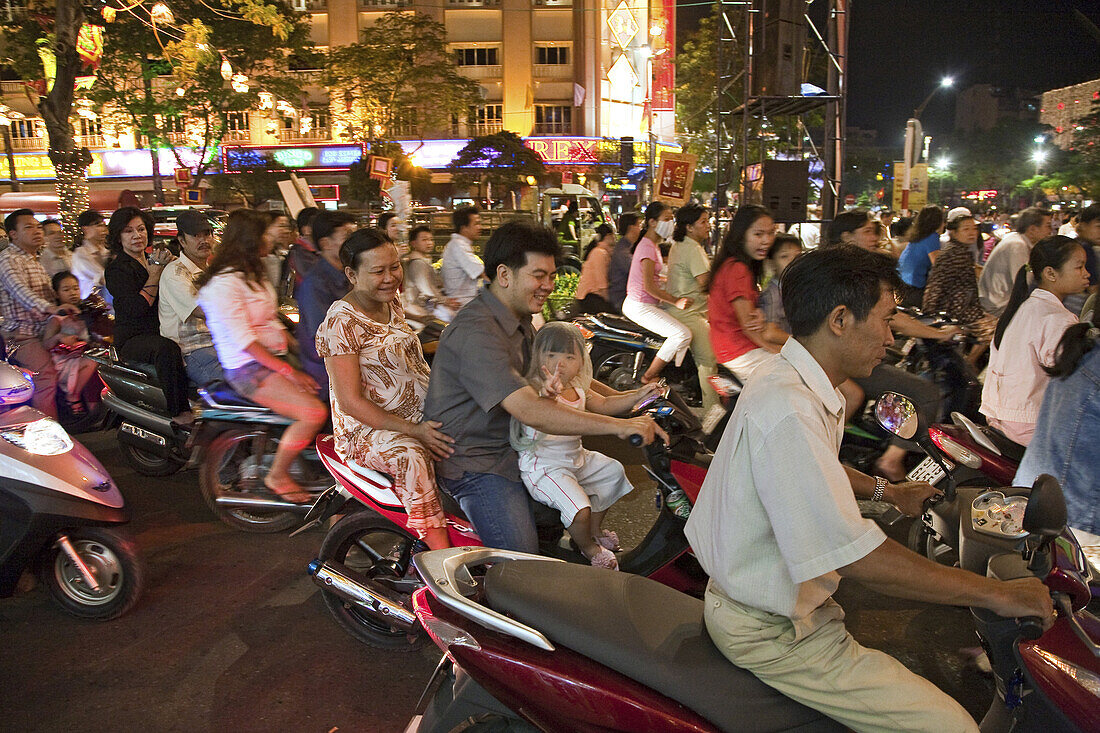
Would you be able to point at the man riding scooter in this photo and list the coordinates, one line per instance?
(776, 524)
(477, 386)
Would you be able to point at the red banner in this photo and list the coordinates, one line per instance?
(664, 70)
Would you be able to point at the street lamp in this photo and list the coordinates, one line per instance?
(945, 83)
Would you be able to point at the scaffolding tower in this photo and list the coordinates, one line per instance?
(741, 51)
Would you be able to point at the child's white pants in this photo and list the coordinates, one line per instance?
(597, 484)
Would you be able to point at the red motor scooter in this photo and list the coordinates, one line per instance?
(365, 567)
(531, 644)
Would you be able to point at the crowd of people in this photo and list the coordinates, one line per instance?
(497, 421)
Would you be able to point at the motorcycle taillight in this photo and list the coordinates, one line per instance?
(444, 634)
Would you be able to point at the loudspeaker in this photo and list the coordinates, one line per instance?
(785, 187)
(778, 47)
(626, 153)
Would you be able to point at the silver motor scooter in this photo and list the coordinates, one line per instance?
(60, 512)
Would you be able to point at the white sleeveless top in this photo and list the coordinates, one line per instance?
(553, 451)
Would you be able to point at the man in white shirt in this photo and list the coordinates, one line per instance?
(181, 318)
(1069, 224)
(462, 270)
(55, 256)
(1008, 256)
(777, 525)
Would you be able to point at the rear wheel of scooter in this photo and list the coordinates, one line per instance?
(229, 465)
(112, 558)
(374, 547)
(146, 462)
(615, 368)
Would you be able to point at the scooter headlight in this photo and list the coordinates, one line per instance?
(43, 437)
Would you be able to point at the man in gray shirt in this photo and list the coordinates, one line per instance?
(477, 386)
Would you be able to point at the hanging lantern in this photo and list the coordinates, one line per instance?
(180, 91)
(267, 100)
(239, 83)
(89, 44)
(162, 14)
(108, 14)
(226, 70)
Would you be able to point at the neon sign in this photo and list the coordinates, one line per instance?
(237, 158)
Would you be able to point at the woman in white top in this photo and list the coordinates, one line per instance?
(90, 258)
(1028, 334)
(241, 312)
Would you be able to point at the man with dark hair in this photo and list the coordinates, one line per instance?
(27, 301)
(462, 270)
(478, 385)
(302, 255)
(322, 286)
(1008, 256)
(1087, 231)
(777, 526)
(56, 256)
(630, 229)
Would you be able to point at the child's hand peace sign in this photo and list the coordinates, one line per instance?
(552, 386)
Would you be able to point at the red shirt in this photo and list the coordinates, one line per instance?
(732, 281)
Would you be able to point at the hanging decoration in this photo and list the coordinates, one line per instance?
(226, 69)
(109, 14)
(89, 44)
(162, 14)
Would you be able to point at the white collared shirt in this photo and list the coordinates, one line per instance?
(178, 296)
(1015, 382)
(461, 269)
(88, 263)
(776, 515)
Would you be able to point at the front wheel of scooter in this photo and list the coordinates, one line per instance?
(923, 543)
(376, 548)
(112, 558)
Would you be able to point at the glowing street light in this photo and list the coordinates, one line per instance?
(944, 162)
(1039, 156)
(945, 83)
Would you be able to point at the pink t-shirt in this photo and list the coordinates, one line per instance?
(635, 281)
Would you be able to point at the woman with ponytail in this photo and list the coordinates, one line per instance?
(1069, 421)
(1028, 334)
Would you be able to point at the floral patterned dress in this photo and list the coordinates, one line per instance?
(394, 377)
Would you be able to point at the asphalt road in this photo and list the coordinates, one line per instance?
(231, 635)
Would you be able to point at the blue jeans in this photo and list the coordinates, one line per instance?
(500, 510)
(203, 366)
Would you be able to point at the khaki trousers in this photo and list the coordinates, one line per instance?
(701, 351)
(829, 671)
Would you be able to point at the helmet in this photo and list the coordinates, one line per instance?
(16, 385)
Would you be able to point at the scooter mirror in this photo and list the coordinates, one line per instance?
(897, 414)
(1045, 514)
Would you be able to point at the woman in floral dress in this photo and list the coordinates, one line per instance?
(378, 380)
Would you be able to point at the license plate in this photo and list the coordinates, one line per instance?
(144, 434)
(928, 470)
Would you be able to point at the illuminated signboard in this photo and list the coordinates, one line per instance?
(984, 195)
(111, 163)
(236, 158)
(438, 154)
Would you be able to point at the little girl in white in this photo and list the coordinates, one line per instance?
(557, 470)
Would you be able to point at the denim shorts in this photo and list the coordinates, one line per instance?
(246, 380)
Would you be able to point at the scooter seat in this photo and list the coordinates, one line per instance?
(612, 320)
(1009, 448)
(223, 394)
(647, 632)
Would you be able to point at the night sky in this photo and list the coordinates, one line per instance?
(899, 50)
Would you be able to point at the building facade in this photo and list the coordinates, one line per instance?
(1062, 108)
(571, 71)
(980, 107)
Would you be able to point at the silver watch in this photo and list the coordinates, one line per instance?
(880, 488)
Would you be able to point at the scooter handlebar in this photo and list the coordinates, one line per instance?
(1031, 627)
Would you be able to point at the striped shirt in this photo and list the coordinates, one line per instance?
(26, 295)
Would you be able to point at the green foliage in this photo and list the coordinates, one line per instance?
(400, 74)
(254, 185)
(564, 293)
(500, 160)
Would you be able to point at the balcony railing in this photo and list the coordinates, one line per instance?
(12, 87)
(484, 128)
(322, 134)
(553, 128)
(91, 141)
(473, 3)
(553, 71)
(311, 6)
(384, 3)
(480, 72)
(237, 136)
(28, 144)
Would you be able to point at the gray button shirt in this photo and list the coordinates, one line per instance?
(481, 359)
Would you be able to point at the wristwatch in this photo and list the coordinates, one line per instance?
(880, 488)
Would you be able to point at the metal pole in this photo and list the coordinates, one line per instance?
(835, 113)
(15, 184)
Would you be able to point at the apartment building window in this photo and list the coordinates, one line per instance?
(552, 55)
(403, 122)
(236, 121)
(477, 56)
(12, 9)
(554, 119)
(24, 128)
(171, 123)
(90, 127)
